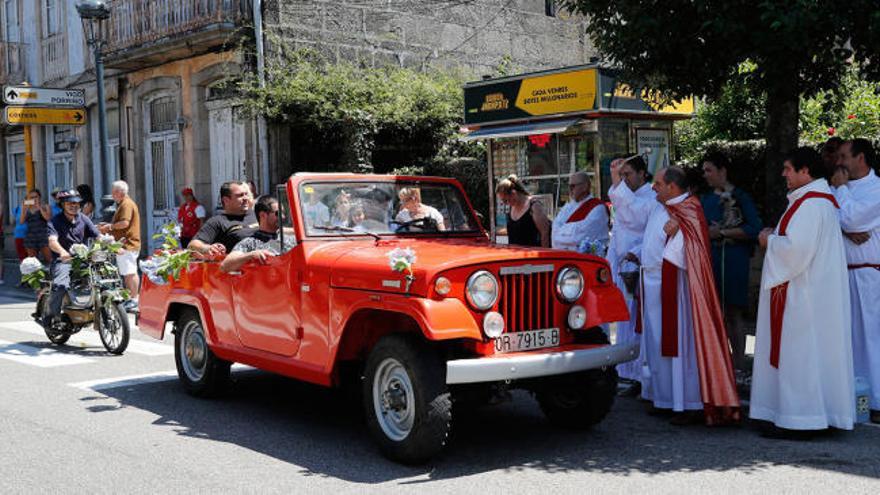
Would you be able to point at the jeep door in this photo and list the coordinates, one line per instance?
(266, 298)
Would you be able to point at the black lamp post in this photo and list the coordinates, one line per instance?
(94, 13)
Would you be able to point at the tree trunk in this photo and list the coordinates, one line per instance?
(783, 101)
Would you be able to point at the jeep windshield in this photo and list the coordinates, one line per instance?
(384, 208)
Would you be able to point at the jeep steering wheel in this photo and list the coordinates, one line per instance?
(426, 223)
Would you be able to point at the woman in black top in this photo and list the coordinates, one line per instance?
(88, 200)
(527, 222)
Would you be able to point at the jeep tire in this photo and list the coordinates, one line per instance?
(578, 400)
(201, 372)
(406, 401)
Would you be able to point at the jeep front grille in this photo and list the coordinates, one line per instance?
(527, 297)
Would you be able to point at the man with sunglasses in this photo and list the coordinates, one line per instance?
(262, 244)
(584, 217)
(65, 229)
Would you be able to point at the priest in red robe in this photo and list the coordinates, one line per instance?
(690, 301)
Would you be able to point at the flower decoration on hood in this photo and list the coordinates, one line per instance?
(402, 261)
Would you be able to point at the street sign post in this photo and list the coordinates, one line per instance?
(18, 115)
(29, 95)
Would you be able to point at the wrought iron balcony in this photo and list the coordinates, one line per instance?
(148, 32)
(13, 69)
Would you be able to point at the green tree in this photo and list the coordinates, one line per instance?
(691, 47)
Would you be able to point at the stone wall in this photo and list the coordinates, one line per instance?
(476, 35)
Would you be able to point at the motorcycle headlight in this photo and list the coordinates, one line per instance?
(570, 284)
(99, 256)
(482, 290)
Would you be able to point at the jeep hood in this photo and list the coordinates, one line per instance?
(365, 264)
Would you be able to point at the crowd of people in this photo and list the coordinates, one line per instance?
(683, 261)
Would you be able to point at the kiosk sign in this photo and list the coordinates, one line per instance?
(556, 93)
(28, 95)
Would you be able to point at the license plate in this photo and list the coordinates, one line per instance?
(527, 341)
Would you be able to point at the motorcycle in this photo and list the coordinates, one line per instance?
(95, 297)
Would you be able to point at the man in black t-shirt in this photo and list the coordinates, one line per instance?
(223, 231)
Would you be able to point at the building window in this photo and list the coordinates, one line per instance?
(163, 114)
(53, 17)
(550, 8)
(64, 139)
(16, 172)
(12, 32)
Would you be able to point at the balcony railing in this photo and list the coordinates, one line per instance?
(135, 23)
(13, 69)
(55, 57)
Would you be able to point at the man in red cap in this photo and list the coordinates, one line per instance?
(190, 216)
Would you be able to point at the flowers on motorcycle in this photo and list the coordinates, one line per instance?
(32, 272)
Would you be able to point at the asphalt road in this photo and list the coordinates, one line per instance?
(76, 420)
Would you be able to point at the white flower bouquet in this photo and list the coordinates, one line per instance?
(79, 251)
(169, 260)
(402, 261)
(32, 272)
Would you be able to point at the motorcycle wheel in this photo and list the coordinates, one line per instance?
(56, 337)
(113, 327)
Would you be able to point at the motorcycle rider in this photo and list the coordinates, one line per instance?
(65, 229)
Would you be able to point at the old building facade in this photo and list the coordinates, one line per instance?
(171, 112)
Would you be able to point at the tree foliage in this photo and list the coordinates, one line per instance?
(357, 108)
(684, 47)
(850, 111)
(691, 47)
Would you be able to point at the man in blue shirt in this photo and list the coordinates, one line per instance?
(65, 229)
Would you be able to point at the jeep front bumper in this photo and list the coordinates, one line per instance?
(537, 364)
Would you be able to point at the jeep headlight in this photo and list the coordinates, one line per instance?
(482, 290)
(570, 284)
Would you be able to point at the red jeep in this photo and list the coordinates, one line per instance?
(395, 278)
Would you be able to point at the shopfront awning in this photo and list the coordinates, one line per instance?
(507, 131)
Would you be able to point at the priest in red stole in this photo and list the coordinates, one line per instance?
(584, 217)
(692, 323)
(803, 369)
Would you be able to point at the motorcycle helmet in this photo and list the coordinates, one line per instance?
(69, 196)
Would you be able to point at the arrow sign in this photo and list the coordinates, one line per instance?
(29, 95)
(17, 115)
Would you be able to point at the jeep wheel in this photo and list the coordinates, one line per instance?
(579, 400)
(407, 403)
(201, 372)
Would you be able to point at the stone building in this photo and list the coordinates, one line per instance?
(171, 112)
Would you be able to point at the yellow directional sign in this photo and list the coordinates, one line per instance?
(15, 115)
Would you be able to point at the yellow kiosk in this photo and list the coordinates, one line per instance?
(543, 126)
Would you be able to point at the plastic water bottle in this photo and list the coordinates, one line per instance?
(863, 401)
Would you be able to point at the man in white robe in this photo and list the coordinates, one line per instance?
(582, 218)
(858, 194)
(803, 367)
(669, 382)
(633, 200)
